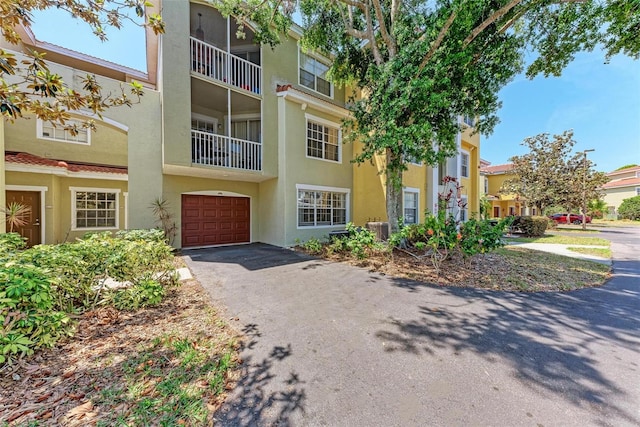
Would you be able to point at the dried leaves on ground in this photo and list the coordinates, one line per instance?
(510, 268)
(168, 365)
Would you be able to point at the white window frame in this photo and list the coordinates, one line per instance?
(486, 185)
(465, 154)
(345, 191)
(415, 191)
(75, 190)
(323, 122)
(637, 191)
(315, 86)
(468, 121)
(464, 212)
(77, 122)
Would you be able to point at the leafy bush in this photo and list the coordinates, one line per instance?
(150, 235)
(313, 246)
(531, 226)
(442, 237)
(11, 242)
(630, 208)
(27, 317)
(359, 243)
(42, 285)
(145, 293)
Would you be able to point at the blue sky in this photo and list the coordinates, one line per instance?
(600, 102)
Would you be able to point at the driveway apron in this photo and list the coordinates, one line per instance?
(327, 344)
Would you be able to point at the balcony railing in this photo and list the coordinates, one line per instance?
(210, 149)
(219, 65)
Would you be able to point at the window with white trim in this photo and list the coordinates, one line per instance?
(313, 74)
(469, 121)
(464, 164)
(73, 131)
(637, 191)
(410, 206)
(321, 208)
(442, 171)
(94, 208)
(323, 141)
(464, 208)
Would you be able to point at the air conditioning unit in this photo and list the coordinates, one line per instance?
(381, 229)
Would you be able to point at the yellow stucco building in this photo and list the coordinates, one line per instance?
(243, 142)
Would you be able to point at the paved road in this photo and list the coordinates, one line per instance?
(329, 344)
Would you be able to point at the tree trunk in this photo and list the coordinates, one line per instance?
(393, 195)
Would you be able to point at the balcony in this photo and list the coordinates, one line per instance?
(210, 149)
(209, 61)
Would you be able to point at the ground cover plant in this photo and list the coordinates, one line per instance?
(170, 365)
(44, 288)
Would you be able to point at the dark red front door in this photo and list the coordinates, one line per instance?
(31, 230)
(214, 220)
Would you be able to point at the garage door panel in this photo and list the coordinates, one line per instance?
(215, 220)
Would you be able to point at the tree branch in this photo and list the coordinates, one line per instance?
(389, 41)
(437, 42)
(371, 36)
(490, 20)
(354, 3)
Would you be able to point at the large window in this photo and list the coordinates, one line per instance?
(76, 132)
(313, 74)
(94, 208)
(464, 164)
(410, 205)
(319, 207)
(323, 140)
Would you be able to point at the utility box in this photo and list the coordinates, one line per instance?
(380, 229)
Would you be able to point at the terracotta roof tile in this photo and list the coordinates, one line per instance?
(624, 182)
(30, 159)
(623, 171)
(497, 168)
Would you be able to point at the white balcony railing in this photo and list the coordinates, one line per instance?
(210, 149)
(217, 64)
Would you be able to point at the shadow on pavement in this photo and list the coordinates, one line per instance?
(548, 339)
(251, 404)
(254, 256)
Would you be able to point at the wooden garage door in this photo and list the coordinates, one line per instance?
(214, 220)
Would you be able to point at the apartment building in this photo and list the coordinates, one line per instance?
(244, 143)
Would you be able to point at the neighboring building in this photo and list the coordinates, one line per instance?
(244, 142)
(76, 183)
(622, 184)
(503, 204)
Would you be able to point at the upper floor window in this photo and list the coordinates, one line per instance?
(74, 133)
(313, 74)
(464, 214)
(323, 140)
(442, 171)
(94, 208)
(469, 121)
(464, 165)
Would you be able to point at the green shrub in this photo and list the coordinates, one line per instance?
(151, 235)
(359, 243)
(313, 246)
(11, 242)
(145, 293)
(42, 285)
(630, 208)
(531, 226)
(27, 318)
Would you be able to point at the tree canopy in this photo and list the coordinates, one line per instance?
(422, 64)
(551, 175)
(28, 86)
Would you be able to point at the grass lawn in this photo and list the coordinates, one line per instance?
(570, 229)
(615, 223)
(565, 240)
(601, 252)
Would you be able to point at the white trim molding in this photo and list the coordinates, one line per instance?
(416, 191)
(327, 123)
(315, 103)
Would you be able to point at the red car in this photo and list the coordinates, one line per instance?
(561, 218)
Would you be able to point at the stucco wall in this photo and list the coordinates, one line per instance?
(615, 196)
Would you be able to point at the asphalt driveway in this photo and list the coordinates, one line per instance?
(329, 344)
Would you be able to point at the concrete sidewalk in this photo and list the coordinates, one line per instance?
(561, 249)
